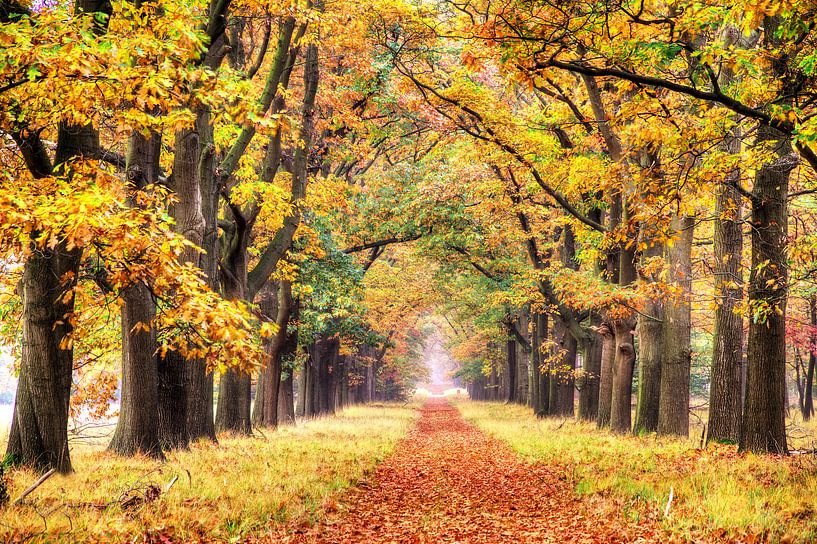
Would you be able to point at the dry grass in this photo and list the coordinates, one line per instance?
(717, 492)
(223, 492)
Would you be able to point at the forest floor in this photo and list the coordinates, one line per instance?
(448, 481)
(446, 471)
(718, 494)
(220, 492)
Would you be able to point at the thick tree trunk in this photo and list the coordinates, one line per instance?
(764, 415)
(198, 381)
(175, 376)
(275, 304)
(563, 373)
(308, 398)
(233, 406)
(233, 411)
(543, 373)
(589, 393)
(39, 429)
(522, 362)
(137, 430)
(536, 364)
(172, 401)
(289, 352)
(621, 404)
(327, 352)
(608, 355)
(673, 413)
(725, 396)
(649, 357)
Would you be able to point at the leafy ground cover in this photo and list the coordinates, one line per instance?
(222, 493)
(718, 494)
(448, 482)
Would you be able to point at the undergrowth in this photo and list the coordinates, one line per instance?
(221, 492)
(718, 494)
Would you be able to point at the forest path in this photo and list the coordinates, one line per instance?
(447, 481)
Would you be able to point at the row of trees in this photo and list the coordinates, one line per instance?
(604, 170)
(171, 179)
(208, 188)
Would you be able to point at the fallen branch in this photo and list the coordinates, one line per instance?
(669, 501)
(170, 484)
(34, 486)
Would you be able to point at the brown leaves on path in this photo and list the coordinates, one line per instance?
(449, 482)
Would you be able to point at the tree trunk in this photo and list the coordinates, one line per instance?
(510, 371)
(175, 374)
(198, 381)
(673, 413)
(608, 356)
(725, 396)
(589, 393)
(522, 362)
(543, 371)
(563, 373)
(649, 356)
(233, 410)
(764, 415)
(39, 429)
(621, 404)
(172, 401)
(327, 360)
(808, 400)
(536, 362)
(275, 304)
(137, 430)
(289, 352)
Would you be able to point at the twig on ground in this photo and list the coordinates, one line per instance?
(669, 502)
(170, 484)
(34, 486)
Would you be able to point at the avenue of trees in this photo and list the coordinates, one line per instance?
(264, 201)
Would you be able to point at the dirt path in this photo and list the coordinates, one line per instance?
(449, 482)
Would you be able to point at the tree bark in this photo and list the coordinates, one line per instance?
(562, 377)
(589, 392)
(649, 357)
(673, 413)
(764, 415)
(808, 400)
(39, 429)
(276, 304)
(725, 396)
(522, 362)
(621, 404)
(175, 374)
(510, 369)
(137, 429)
(608, 355)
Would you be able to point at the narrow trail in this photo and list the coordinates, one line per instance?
(447, 481)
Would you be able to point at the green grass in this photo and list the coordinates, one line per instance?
(224, 492)
(717, 492)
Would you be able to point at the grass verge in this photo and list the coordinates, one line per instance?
(718, 493)
(223, 493)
